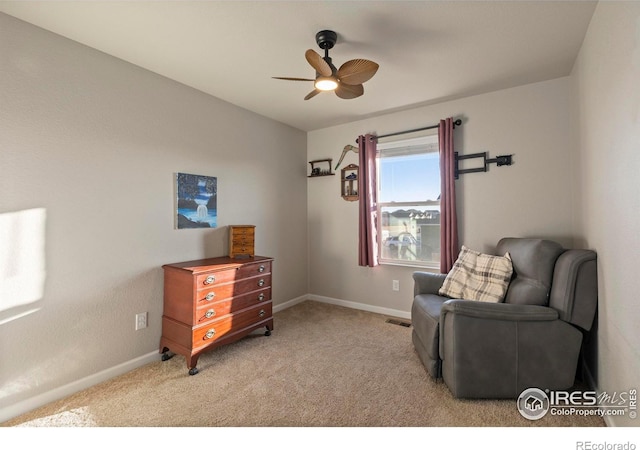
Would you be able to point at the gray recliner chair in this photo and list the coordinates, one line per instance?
(532, 339)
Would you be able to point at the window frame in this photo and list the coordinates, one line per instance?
(422, 140)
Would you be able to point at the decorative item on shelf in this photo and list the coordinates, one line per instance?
(321, 168)
(349, 183)
(347, 148)
(241, 241)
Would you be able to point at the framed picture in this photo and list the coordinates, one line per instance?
(197, 200)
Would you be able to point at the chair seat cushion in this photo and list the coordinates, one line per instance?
(477, 276)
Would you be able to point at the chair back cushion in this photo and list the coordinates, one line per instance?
(533, 264)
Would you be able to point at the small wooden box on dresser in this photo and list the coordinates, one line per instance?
(212, 302)
(241, 241)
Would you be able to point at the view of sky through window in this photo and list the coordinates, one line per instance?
(409, 178)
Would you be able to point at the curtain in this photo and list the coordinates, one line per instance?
(367, 187)
(448, 218)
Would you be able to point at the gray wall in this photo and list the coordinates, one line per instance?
(607, 160)
(530, 198)
(88, 150)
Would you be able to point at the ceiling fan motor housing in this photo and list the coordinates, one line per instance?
(326, 39)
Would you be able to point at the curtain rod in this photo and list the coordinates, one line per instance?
(457, 122)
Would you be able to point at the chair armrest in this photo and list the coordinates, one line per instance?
(498, 311)
(427, 282)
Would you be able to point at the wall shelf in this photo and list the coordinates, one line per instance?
(349, 183)
(321, 168)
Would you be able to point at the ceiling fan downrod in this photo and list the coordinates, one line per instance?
(326, 39)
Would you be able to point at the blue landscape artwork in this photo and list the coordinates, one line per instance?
(197, 201)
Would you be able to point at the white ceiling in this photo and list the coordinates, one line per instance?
(428, 51)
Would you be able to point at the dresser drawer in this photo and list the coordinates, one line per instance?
(238, 231)
(243, 238)
(228, 290)
(243, 249)
(209, 311)
(254, 269)
(207, 280)
(218, 329)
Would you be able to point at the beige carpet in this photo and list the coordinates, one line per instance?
(323, 366)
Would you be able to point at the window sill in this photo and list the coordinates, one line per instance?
(432, 267)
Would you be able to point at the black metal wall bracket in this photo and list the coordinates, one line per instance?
(503, 160)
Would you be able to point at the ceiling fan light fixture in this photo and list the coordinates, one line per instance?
(345, 82)
(326, 83)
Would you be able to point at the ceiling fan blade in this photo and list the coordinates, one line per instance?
(357, 71)
(312, 94)
(293, 79)
(348, 91)
(316, 61)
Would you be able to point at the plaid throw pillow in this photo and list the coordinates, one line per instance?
(476, 276)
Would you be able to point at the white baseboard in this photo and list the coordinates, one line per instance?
(290, 303)
(76, 386)
(362, 306)
(87, 382)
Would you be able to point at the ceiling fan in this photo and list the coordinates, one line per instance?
(345, 81)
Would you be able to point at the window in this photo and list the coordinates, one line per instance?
(409, 202)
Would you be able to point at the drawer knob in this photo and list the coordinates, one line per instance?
(210, 296)
(261, 283)
(261, 313)
(210, 334)
(261, 268)
(210, 313)
(261, 297)
(210, 279)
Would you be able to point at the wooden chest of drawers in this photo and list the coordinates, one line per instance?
(212, 302)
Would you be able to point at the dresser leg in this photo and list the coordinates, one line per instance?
(192, 363)
(166, 354)
(268, 332)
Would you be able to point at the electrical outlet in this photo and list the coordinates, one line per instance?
(395, 285)
(141, 321)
